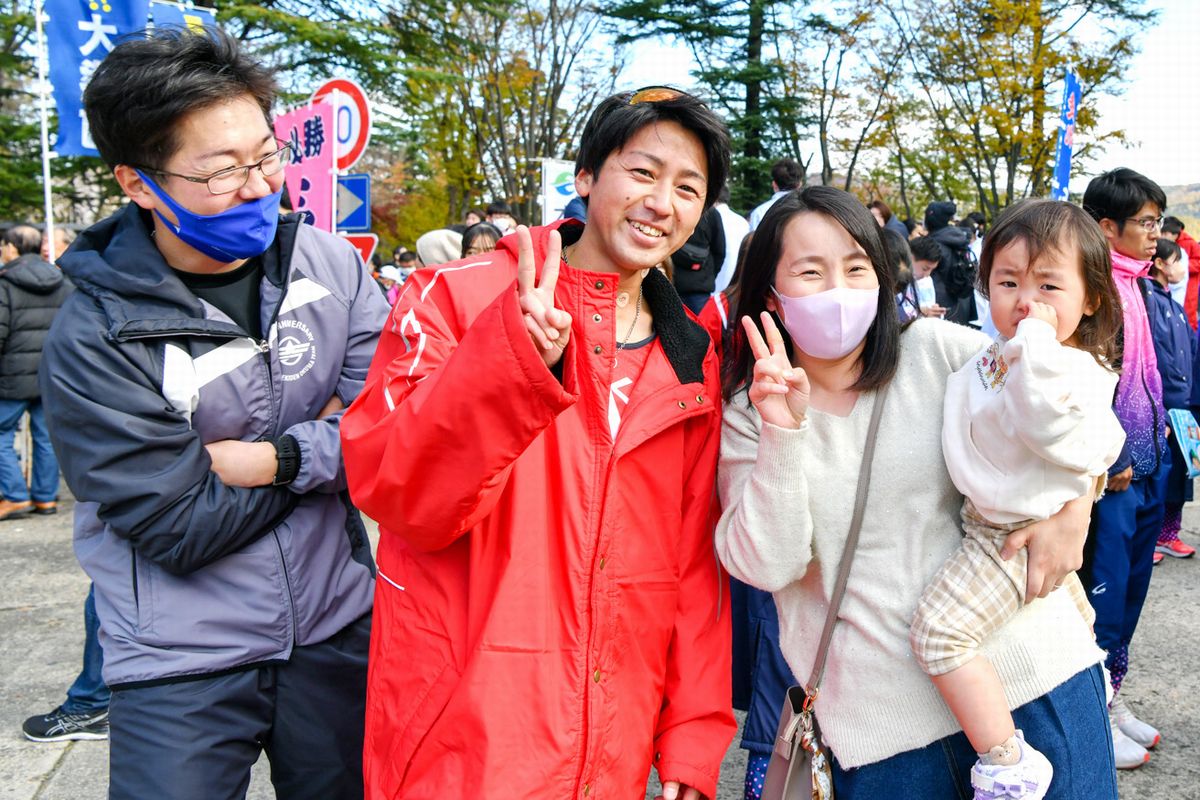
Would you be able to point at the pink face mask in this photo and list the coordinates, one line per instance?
(832, 323)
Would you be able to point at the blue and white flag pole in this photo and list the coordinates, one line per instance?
(43, 105)
(1072, 95)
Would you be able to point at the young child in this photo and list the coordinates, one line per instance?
(1173, 343)
(926, 254)
(1028, 427)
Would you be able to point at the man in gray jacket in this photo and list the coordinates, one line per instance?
(194, 386)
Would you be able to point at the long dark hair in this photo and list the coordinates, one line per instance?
(882, 350)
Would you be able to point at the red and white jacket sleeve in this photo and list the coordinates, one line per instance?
(446, 411)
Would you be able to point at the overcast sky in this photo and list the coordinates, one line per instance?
(1159, 109)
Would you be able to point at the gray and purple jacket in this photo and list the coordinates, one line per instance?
(192, 576)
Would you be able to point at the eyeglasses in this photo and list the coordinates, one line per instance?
(654, 94)
(234, 178)
(1147, 223)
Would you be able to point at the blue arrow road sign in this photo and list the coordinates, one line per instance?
(354, 203)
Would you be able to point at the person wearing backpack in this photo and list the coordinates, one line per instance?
(954, 279)
(698, 261)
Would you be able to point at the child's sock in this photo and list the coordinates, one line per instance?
(1004, 754)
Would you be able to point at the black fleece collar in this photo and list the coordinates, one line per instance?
(683, 340)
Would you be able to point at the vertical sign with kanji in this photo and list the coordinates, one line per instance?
(1061, 180)
(309, 174)
(79, 34)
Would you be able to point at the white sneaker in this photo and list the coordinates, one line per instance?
(1144, 734)
(1129, 754)
(1028, 779)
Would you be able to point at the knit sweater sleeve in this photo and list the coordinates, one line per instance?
(764, 537)
(1060, 401)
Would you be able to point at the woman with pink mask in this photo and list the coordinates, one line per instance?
(820, 346)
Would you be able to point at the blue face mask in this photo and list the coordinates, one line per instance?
(243, 231)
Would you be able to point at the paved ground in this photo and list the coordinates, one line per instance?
(41, 600)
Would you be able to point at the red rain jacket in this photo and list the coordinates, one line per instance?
(549, 617)
(1190, 300)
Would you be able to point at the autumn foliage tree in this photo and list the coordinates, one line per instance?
(984, 70)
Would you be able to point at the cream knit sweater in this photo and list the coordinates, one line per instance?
(787, 498)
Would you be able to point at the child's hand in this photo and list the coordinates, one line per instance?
(1043, 312)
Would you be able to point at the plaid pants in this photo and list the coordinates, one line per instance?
(974, 594)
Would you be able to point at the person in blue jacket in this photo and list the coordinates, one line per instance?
(194, 385)
(1174, 344)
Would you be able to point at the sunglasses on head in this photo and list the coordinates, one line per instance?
(654, 94)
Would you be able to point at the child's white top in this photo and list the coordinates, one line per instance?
(1029, 425)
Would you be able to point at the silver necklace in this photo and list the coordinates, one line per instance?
(637, 310)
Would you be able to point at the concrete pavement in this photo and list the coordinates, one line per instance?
(41, 623)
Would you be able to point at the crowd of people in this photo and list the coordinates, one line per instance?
(611, 460)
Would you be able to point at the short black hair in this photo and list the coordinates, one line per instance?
(1119, 194)
(1165, 249)
(787, 174)
(498, 207)
(615, 122)
(1173, 226)
(146, 85)
(882, 351)
(924, 248)
(977, 218)
(26, 238)
(408, 257)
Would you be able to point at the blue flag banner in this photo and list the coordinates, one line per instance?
(79, 35)
(1061, 180)
(163, 13)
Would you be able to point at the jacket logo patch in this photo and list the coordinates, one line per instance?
(297, 349)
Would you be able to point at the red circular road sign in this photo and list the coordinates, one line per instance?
(351, 119)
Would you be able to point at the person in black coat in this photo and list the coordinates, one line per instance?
(699, 260)
(31, 291)
(957, 271)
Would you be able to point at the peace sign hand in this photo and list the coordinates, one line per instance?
(549, 327)
(778, 390)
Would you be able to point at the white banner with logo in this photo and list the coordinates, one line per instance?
(558, 187)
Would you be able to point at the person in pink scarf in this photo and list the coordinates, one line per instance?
(1119, 554)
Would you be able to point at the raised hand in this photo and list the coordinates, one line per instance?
(778, 390)
(549, 327)
(1044, 312)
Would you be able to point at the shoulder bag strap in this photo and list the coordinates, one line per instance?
(860, 502)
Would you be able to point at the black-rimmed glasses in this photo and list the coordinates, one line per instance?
(234, 178)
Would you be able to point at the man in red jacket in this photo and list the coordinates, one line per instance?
(1173, 229)
(537, 439)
